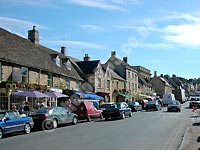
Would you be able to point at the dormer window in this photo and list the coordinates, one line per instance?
(56, 60)
(68, 65)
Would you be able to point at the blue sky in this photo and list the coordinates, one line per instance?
(157, 34)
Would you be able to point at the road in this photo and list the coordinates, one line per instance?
(156, 130)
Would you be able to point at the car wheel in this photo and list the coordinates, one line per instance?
(130, 115)
(49, 124)
(74, 120)
(55, 124)
(89, 119)
(123, 116)
(1, 133)
(27, 128)
(106, 118)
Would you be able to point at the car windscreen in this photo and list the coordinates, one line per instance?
(110, 106)
(195, 99)
(43, 111)
(131, 103)
(151, 102)
(2, 114)
(173, 103)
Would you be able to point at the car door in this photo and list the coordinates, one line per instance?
(10, 123)
(67, 116)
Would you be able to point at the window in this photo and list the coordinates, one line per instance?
(108, 75)
(135, 77)
(108, 84)
(117, 83)
(129, 74)
(68, 83)
(125, 86)
(133, 87)
(24, 74)
(49, 81)
(99, 83)
(132, 76)
(77, 85)
(129, 86)
(68, 65)
(0, 71)
(56, 60)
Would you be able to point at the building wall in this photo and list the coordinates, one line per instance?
(158, 85)
(43, 78)
(33, 76)
(6, 72)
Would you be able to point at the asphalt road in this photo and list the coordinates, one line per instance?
(156, 130)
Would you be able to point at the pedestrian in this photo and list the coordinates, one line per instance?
(26, 109)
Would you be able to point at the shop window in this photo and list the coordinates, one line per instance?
(50, 78)
(24, 74)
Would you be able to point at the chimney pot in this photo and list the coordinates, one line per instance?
(113, 53)
(63, 50)
(33, 35)
(125, 59)
(86, 58)
(155, 73)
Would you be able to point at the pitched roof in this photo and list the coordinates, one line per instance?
(142, 81)
(113, 73)
(88, 67)
(18, 50)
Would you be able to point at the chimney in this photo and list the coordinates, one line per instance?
(155, 73)
(161, 75)
(63, 50)
(113, 53)
(86, 58)
(33, 35)
(125, 59)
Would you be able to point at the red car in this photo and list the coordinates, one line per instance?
(86, 110)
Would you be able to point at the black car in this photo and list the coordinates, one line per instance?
(135, 106)
(174, 105)
(116, 110)
(153, 105)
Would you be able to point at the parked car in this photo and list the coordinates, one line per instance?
(153, 105)
(194, 101)
(11, 121)
(116, 110)
(86, 110)
(174, 105)
(135, 106)
(50, 118)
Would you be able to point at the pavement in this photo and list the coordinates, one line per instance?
(191, 139)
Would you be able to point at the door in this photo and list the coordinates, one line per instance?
(11, 123)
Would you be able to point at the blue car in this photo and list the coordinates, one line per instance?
(11, 121)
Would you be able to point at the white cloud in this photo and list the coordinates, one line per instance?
(75, 44)
(6, 22)
(92, 28)
(188, 34)
(117, 5)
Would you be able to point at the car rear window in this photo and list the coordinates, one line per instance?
(43, 110)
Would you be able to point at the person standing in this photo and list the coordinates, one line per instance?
(26, 109)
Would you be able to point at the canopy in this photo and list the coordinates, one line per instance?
(126, 95)
(55, 94)
(88, 95)
(32, 94)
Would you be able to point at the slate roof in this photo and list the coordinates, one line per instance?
(88, 67)
(21, 51)
(113, 73)
(142, 81)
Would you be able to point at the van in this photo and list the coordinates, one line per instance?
(86, 110)
(167, 98)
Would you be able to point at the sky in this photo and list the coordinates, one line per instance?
(160, 35)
